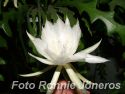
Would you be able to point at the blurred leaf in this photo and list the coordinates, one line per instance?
(1, 78)
(104, 1)
(94, 13)
(114, 3)
(81, 46)
(52, 14)
(2, 61)
(31, 21)
(7, 29)
(34, 16)
(9, 15)
(3, 42)
(68, 13)
(123, 55)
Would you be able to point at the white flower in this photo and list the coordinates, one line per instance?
(58, 44)
(14, 2)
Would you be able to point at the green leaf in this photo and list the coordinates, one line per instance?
(3, 42)
(81, 46)
(114, 3)
(69, 14)
(2, 61)
(123, 57)
(51, 13)
(1, 78)
(106, 17)
(7, 30)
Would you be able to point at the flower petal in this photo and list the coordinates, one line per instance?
(40, 45)
(50, 34)
(67, 22)
(76, 37)
(89, 49)
(94, 59)
(54, 79)
(80, 76)
(5, 2)
(82, 57)
(45, 61)
(15, 3)
(30, 36)
(74, 78)
(37, 73)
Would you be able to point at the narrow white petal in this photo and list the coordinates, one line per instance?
(48, 31)
(40, 45)
(67, 22)
(30, 36)
(80, 76)
(37, 73)
(89, 49)
(82, 57)
(78, 57)
(15, 3)
(54, 79)
(60, 23)
(45, 61)
(74, 78)
(50, 34)
(94, 59)
(5, 2)
(76, 36)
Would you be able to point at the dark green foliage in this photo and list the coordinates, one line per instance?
(98, 19)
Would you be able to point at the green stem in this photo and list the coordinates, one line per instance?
(74, 78)
(54, 79)
(39, 17)
(80, 76)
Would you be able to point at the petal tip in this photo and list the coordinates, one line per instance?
(30, 36)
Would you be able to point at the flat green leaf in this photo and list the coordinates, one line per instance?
(3, 42)
(7, 30)
(123, 57)
(114, 3)
(94, 13)
(1, 78)
(2, 61)
(51, 13)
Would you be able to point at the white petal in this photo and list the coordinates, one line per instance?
(15, 3)
(48, 31)
(89, 49)
(30, 36)
(54, 79)
(5, 2)
(72, 75)
(69, 37)
(76, 37)
(45, 61)
(82, 57)
(60, 23)
(94, 59)
(78, 57)
(37, 73)
(40, 45)
(67, 22)
(51, 37)
(80, 76)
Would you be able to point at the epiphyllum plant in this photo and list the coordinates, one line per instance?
(58, 44)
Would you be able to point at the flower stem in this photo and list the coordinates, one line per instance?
(54, 79)
(80, 76)
(74, 78)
